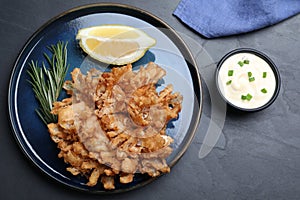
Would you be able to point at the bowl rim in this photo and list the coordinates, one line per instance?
(262, 56)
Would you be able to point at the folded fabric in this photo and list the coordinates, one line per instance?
(216, 18)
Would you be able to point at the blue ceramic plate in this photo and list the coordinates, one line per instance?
(170, 52)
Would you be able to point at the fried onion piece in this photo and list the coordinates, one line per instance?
(108, 182)
(73, 170)
(93, 179)
(74, 153)
(126, 178)
(60, 104)
(115, 123)
(134, 115)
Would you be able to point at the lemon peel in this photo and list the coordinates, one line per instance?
(114, 44)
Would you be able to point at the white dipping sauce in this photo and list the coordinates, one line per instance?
(249, 86)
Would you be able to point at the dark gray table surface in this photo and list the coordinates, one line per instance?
(259, 157)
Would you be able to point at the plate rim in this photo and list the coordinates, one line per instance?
(198, 101)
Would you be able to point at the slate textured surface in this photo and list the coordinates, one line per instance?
(258, 157)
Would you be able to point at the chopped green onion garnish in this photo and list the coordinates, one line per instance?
(249, 97)
(246, 97)
(251, 79)
(246, 61)
(264, 90)
(228, 82)
(264, 74)
(230, 72)
(249, 74)
(241, 63)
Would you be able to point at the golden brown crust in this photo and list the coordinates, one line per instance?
(115, 124)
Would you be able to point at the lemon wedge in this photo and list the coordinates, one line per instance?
(114, 44)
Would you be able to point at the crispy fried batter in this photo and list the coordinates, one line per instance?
(115, 124)
(126, 178)
(108, 182)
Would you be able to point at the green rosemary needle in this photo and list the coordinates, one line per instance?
(46, 82)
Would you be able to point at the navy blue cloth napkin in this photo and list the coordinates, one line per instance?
(216, 18)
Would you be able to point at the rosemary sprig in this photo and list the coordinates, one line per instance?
(46, 82)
